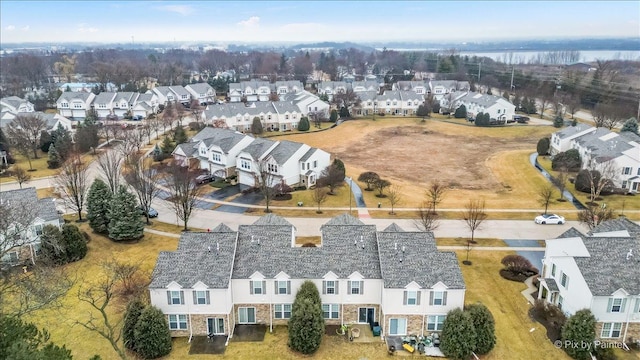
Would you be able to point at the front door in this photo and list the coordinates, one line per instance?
(366, 315)
(215, 326)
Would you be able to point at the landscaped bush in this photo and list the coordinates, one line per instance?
(458, 339)
(306, 325)
(196, 126)
(485, 327)
(569, 160)
(461, 112)
(152, 336)
(580, 328)
(583, 182)
(543, 146)
(549, 316)
(517, 268)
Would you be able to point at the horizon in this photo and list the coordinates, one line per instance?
(224, 22)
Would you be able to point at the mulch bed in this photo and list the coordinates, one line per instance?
(549, 323)
(331, 330)
(519, 277)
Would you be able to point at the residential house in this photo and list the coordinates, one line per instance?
(392, 102)
(123, 103)
(331, 88)
(288, 87)
(221, 278)
(86, 87)
(275, 116)
(15, 105)
(175, 93)
(561, 140)
(52, 120)
(367, 85)
(145, 105)
(250, 162)
(103, 104)
(598, 271)
(498, 108)
(307, 103)
(440, 88)
(251, 91)
(74, 105)
(26, 216)
(202, 92)
(418, 87)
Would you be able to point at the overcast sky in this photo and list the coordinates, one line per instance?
(311, 21)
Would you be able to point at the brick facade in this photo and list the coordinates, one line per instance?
(633, 333)
(263, 312)
(350, 312)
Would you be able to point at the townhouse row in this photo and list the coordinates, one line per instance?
(601, 148)
(217, 279)
(225, 153)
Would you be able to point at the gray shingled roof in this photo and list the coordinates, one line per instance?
(13, 101)
(551, 284)
(187, 148)
(608, 269)
(258, 147)
(200, 88)
(481, 99)
(201, 256)
(72, 95)
(180, 90)
(393, 228)
(420, 262)
(571, 233)
(344, 219)
(621, 223)
(104, 98)
(284, 151)
(604, 150)
(272, 219)
(27, 199)
(308, 154)
(572, 130)
(47, 209)
(224, 138)
(221, 228)
(267, 249)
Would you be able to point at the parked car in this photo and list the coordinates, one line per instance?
(153, 213)
(205, 178)
(112, 117)
(136, 117)
(549, 219)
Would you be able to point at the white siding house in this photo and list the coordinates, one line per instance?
(202, 92)
(561, 140)
(74, 105)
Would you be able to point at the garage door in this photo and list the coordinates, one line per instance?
(246, 178)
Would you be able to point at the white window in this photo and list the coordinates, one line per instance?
(178, 322)
(102, 106)
(64, 105)
(303, 166)
(553, 269)
(611, 330)
(616, 305)
(438, 298)
(77, 106)
(624, 184)
(245, 164)
(330, 287)
(216, 157)
(282, 311)
(175, 297)
(38, 229)
(560, 301)
(435, 322)
(564, 281)
(411, 298)
(273, 168)
(283, 287)
(331, 311)
(257, 287)
(315, 164)
(201, 297)
(356, 287)
(626, 171)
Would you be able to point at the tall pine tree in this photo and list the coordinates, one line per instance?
(125, 222)
(152, 336)
(54, 161)
(98, 206)
(458, 339)
(131, 317)
(485, 325)
(306, 325)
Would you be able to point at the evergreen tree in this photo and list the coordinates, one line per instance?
(151, 334)
(22, 340)
(306, 325)
(579, 329)
(461, 112)
(339, 165)
(87, 135)
(54, 161)
(45, 141)
(131, 317)
(485, 327)
(124, 218)
(98, 206)
(304, 125)
(543, 146)
(256, 126)
(52, 252)
(458, 338)
(75, 246)
(167, 146)
(61, 138)
(333, 117)
(630, 125)
(344, 112)
(179, 136)
(558, 122)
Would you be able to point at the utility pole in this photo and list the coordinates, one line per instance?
(513, 69)
(479, 69)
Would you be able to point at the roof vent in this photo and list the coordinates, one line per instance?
(630, 254)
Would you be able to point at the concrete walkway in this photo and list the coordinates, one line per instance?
(530, 289)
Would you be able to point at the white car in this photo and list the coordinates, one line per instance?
(549, 219)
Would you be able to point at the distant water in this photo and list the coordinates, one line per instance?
(525, 56)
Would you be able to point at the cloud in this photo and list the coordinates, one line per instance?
(253, 21)
(83, 28)
(25, 28)
(10, 28)
(183, 10)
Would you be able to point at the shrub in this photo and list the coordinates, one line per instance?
(333, 117)
(569, 159)
(73, 242)
(583, 182)
(484, 325)
(550, 316)
(461, 112)
(131, 317)
(579, 329)
(256, 126)
(306, 325)
(151, 334)
(543, 146)
(558, 122)
(519, 264)
(458, 339)
(196, 126)
(304, 125)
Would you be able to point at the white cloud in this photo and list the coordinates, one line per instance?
(183, 10)
(253, 21)
(83, 28)
(25, 28)
(10, 28)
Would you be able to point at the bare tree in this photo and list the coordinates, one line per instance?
(369, 178)
(24, 132)
(380, 185)
(473, 215)
(600, 177)
(435, 193)
(196, 109)
(132, 142)
(154, 124)
(16, 216)
(110, 165)
(546, 100)
(169, 115)
(264, 179)
(144, 180)
(572, 105)
(395, 196)
(319, 196)
(545, 195)
(427, 217)
(73, 181)
(183, 192)
(21, 175)
(146, 130)
(332, 177)
(560, 180)
(594, 215)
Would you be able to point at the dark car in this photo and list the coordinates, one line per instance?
(136, 117)
(112, 117)
(153, 213)
(205, 178)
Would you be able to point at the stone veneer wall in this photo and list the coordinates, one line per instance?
(198, 323)
(632, 333)
(350, 312)
(263, 313)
